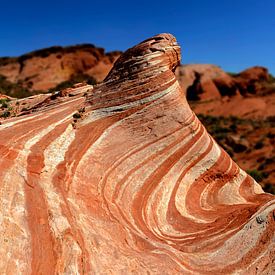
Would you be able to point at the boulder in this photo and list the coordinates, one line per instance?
(252, 80)
(205, 82)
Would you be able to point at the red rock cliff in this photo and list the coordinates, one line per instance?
(46, 68)
(131, 183)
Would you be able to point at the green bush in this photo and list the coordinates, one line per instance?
(271, 79)
(4, 103)
(76, 115)
(269, 188)
(257, 175)
(5, 114)
(13, 89)
(259, 145)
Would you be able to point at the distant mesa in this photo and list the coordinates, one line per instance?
(203, 81)
(211, 91)
(47, 68)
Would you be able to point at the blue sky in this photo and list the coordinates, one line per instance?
(234, 34)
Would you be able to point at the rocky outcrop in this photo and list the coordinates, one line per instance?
(211, 91)
(5, 97)
(205, 82)
(46, 68)
(125, 179)
(252, 80)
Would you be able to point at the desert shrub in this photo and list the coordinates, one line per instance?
(208, 120)
(270, 135)
(7, 60)
(233, 128)
(215, 126)
(13, 89)
(4, 100)
(76, 115)
(259, 145)
(269, 188)
(271, 78)
(257, 175)
(5, 114)
(266, 162)
(229, 151)
(4, 103)
(217, 129)
(239, 147)
(236, 120)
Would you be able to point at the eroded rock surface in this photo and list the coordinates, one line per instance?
(124, 178)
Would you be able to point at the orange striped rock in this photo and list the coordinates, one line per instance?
(125, 179)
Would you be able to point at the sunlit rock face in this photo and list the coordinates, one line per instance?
(125, 179)
(44, 69)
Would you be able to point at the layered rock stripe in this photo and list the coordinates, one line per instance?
(125, 179)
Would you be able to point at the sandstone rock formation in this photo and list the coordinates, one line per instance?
(204, 81)
(46, 68)
(250, 81)
(124, 179)
(211, 91)
(4, 96)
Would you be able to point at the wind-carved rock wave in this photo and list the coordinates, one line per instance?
(131, 184)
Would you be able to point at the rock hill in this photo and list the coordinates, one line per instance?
(46, 68)
(123, 178)
(211, 91)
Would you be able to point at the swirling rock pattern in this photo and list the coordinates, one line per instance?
(131, 183)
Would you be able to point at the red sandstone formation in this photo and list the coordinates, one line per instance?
(250, 81)
(128, 181)
(5, 97)
(200, 81)
(46, 68)
(204, 81)
(211, 91)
